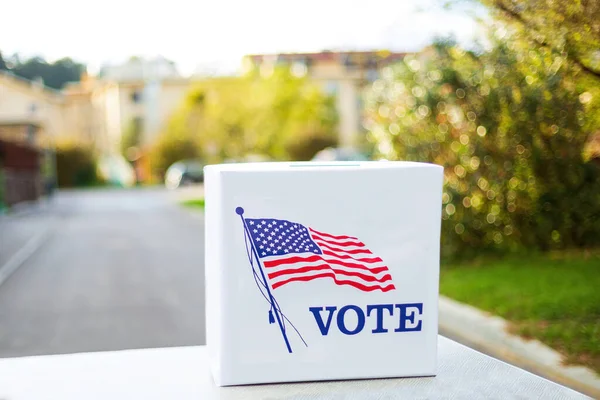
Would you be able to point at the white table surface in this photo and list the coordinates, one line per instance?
(182, 373)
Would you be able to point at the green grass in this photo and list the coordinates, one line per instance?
(554, 298)
(194, 203)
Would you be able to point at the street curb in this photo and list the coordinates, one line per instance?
(23, 254)
(490, 334)
(25, 208)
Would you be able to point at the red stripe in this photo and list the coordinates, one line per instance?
(368, 278)
(291, 260)
(296, 259)
(332, 236)
(366, 260)
(330, 274)
(356, 251)
(315, 236)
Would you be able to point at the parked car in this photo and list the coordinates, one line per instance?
(339, 154)
(183, 173)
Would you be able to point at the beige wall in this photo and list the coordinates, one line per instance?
(333, 70)
(103, 110)
(114, 106)
(100, 124)
(52, 121)
(100, 113)
(172, 96)
(79, 117)
(14, 133)
(95, 112)
(21, 101)
(349, 118)
(112, 117)
(128, 109)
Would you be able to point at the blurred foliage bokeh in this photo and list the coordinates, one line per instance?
(76, 165)
(509, 124)
(54, 74)
(569, 28)
(276, 114)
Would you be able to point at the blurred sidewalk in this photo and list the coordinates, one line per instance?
(119, 269)
(22, 232)
(191, 192)
(490, 335)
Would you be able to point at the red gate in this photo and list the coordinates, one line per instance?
(20, 166)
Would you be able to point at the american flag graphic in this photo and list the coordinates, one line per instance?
(292, 252)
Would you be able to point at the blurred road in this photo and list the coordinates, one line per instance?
(121, 269)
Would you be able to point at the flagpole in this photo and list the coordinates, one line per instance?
(240, 212)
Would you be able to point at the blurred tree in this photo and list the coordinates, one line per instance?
(571, 28)
(173, 145)
(130, 141)
(54, 75)
(508, 125)
(293, 119)
(304, 146)
(3, 66)
(279, 115)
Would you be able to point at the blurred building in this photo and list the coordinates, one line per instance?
(139, 94)
(30, 120)
(98, 109)
(137, 68)
(30, 112)
(342, 74)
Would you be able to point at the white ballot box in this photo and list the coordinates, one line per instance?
(322, 271)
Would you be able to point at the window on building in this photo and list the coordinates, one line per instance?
(299, 69)
(372, 75)
(349, 62)
(331, 88)
(136, 96)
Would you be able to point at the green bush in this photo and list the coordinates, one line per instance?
(509, 127)
(75, 165)
(170, 149)
(305, 146)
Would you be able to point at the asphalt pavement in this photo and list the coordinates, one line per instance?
(120, 269)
